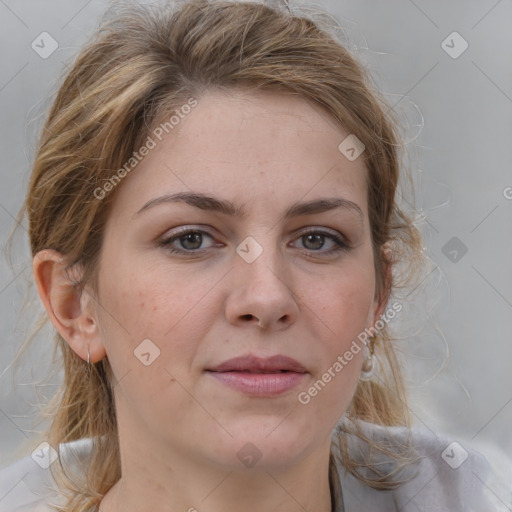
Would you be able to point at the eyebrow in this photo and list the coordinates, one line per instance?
(209, 203)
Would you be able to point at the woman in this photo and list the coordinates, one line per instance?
(217, 242)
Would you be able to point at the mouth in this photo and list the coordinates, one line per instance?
(261, 377)
(254, 364)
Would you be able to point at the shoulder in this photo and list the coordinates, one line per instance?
(444, 474)
(28, 484)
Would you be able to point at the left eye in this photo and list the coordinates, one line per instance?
(191, 240)
(314, 240)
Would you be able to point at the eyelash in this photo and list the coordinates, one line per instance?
(340, 244)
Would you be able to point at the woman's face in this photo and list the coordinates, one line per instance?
(260, 275)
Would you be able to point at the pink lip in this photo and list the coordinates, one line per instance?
(263, 377)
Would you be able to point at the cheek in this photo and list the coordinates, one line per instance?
(343, 304)
(148, 301)
(143, 325)
(157, 304)
(342, 308)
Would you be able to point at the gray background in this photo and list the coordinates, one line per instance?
(458, 112)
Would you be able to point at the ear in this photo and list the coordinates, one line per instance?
(70, 310)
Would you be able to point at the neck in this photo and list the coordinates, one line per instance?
(195, 486)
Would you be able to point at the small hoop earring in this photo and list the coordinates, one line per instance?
(368, 367)
(88, 358)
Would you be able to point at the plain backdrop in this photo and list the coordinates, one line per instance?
(456, 103)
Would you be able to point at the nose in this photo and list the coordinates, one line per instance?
(262, 293)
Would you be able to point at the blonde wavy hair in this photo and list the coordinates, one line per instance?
(143, 62)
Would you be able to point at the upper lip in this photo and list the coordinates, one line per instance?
(255, 364)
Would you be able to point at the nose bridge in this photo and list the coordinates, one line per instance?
(262, 258)
(264, 290)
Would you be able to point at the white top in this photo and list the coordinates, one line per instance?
(448, 477)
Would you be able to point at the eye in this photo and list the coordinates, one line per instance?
(191, 240)
(314, 240)
(185, 240)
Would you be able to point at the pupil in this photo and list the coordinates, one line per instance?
(315, 238)
(192, 237)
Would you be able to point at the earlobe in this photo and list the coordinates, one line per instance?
(68, 308)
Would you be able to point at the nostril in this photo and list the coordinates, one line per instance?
(247, 317)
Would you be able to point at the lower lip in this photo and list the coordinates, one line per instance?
(260, 384)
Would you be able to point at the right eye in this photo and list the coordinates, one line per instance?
(185, 241)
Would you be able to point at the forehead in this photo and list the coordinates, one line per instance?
(261, 149)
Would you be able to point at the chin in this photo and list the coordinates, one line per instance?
(268, 444)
